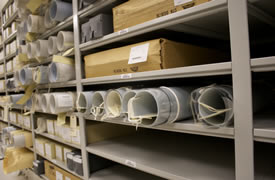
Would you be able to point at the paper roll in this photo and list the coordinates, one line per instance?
(35, 24)
(60, 10)
(62, 102)
(52, 48)
(46, 102)
(41, 49)
(25, 76)
(98, 103)
(65, 40)
(179, 98)
(59, 72)
(23, 49)
(113, 102)
(37, 101)
(48, 22)
(84, 102)
(15, 97)
(150, 107)
(31, 50)
(40, 75)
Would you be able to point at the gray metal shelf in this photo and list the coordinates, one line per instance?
(58, 139)
(58, 85)
(170, 156)
(264, 128)
(11, 37)
(11, 19)
(10, 56)
(264, 64)
(182, 72)
(19, 126)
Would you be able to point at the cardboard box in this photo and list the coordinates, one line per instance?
(59, 152)
(50, 150)
(50, 126)
(139, 11)
(147, 56)
(52, 172)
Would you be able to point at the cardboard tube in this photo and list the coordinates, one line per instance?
(84, 102)
(65, 40)
(48, 22)
(60, 10)
(46, 102)
(59, 72)
(52, 48)
(150, 107)
(113, 102)
(25, 76)
(31, 50)
(40, 75)
(62, 102)
(35, 24)
(98, 103)
(42, 48)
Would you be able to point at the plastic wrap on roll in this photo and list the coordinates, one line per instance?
(65, 40)
(60, 10)
(48, 22)
(41, 49)
(25, 76)
(60, 72)
(62, 102)
(84, 102)
(52, 48)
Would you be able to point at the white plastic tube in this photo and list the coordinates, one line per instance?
(113, 102)
(125, 99)
(60, 10)
(25, 76)
(179, 98)
(62, 102)
(84, 102)
(98, 103)
(150, 107)
(59, 72)
(23, 49)
(31, 50)
(65, 40)
(46, 102)
(42, 48)
(40, 75)
(48, 22)
(35, 24)
(52, 46)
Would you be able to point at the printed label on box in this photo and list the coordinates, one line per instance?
(139, 54)
(180, 2)
(58, 175)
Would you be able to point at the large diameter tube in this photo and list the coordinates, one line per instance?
(98, 103)
(59, 72)
(40, 75)
(48, 22)
(125, 99)
(150, 107)
(46, 102)
(65, 40)
(179, 98)
(42, 48)
(62, 102)
(25, 76)
(35, 24)
(60, 10)
(113, 102)
(52, 48)
(84, 102)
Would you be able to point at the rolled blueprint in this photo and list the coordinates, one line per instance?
(40, 75)
(84, 102)
(23, 49)
(41, 49)
(48, 22)
(62, 102)
(65, 40)
(35, 24)
(59, 72)
(113, 102)
(46, 102)
(25, 76)
(98, 103)
(52, 48)
(31, 50)
(60, 10)
(150, 107)
(179, 98)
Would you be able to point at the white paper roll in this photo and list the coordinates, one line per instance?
(37, 101)
(36, 24)
(42, 49)
(59, 72)
(52, 48)
(40, 75)
(48, 22)
(62, 102)
(113, 102)
(25, 76)
(60, 10)
(98, 103)
(46, 102)
(84, 102)
(150, 107)
(65, 40)
(23, 49)
(31, 50)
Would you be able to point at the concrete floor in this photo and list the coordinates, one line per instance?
(12, 176)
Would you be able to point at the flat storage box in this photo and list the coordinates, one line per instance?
(147, 56)
(52, 172)
(139, 11)
(27, 122)
(50, 150)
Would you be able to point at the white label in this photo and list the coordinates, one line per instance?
(67, 178)
(180, 2)
(123, 31)
(58, 175)
(130, 163)
(139, 54)
(65, 100)
(48, 150)
(126, 76)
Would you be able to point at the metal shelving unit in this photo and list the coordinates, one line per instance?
(167, 158)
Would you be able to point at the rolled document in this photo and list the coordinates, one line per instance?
(35, 24)
(40, 75)
(60, 10)
(60, 72)
(62, 102)
(48, 22)
(125, 99)
(52, 48)
(84, 102)
(41, 125)
(31, 50)
(65, 40)
(23, 49)
(46, 102)
(25, 76)
(41, 49)
(98, 103)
